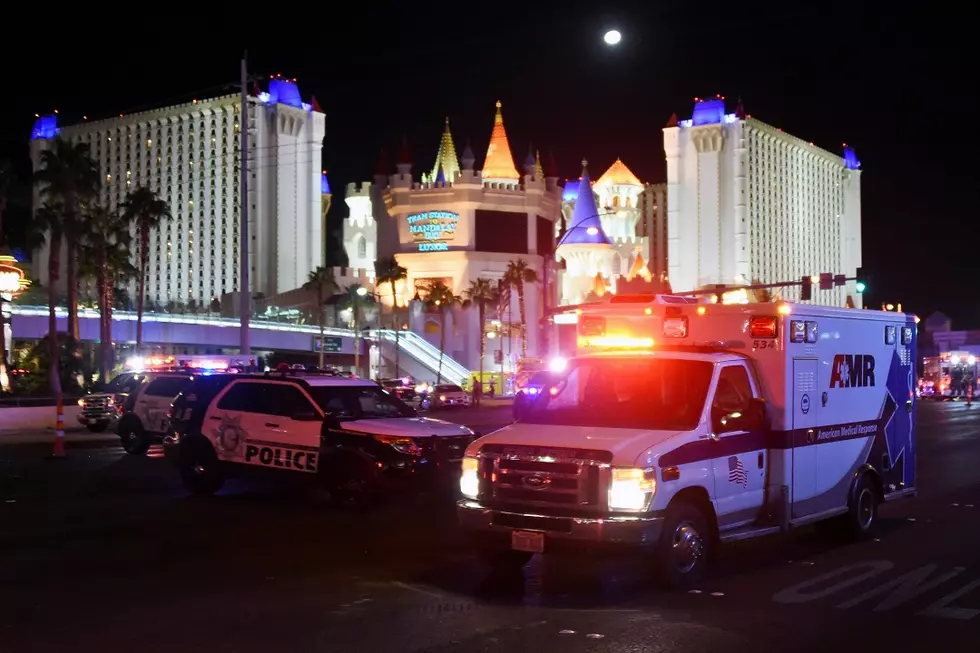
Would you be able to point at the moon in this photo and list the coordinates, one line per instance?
(612, 37)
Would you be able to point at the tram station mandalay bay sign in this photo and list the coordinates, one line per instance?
(432, 231)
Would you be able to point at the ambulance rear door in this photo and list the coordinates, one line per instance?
(803, 434)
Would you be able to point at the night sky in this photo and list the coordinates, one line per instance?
(892, 82)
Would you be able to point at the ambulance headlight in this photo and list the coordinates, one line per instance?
(469, 480)
(631, 489)
(400, 444)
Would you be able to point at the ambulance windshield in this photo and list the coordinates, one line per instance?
(652, 393)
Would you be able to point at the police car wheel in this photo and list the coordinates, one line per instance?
(200, 471)
(682, 552)
(134, 442)
(351, 483)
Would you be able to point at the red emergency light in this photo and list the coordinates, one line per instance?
(762, 327)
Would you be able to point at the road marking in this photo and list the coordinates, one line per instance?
(419, 590)
(940, 608)
(595, 636)
(566, 632)
(905, 587)
(798, 594)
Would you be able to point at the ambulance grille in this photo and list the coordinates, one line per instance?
(559, 478)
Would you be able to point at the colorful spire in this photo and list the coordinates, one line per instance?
(404, 153)
(469, 159)
(618, 175)
(382, 169)
(538, 169)
(551, 168)
(672, 121)
(447, 164)
(499, 163)
(586, 227)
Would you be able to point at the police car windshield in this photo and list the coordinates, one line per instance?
(124, 383)
(652, 393)
(359, 402)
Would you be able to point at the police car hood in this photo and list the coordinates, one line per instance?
(626, 445)
(411, 427)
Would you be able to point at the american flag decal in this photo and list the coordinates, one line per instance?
(736, 472)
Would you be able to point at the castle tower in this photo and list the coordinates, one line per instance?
(325, 200)
(360, 229)
(619, 196)
(585, 248)
(446, 168)
(499, 164)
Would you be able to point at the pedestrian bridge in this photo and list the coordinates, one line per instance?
(31, 323)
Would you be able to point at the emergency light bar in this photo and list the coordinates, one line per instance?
(615, 342)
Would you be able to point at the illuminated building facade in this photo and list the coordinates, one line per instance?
(747, 202)
(189, 154)
(626, 217)
(461, 224)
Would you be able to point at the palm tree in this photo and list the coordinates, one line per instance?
(321, 280)
(355, 297)
(519, 273)
(105, 248)
(48, 223)
(389, 272)
(69, 177)
(482, 293)
(441, 299)
(147, 211)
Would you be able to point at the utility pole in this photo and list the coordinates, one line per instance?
(245, 307)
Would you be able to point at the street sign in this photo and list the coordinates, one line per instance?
(331, 344)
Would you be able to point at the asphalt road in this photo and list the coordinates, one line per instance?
(105, 552)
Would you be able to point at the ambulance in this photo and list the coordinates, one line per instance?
(680, 425)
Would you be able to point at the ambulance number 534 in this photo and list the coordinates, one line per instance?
(763, 344)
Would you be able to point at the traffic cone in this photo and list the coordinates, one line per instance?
(59, 436)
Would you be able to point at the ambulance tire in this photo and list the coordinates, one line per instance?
(200, 469)
(862, 513)
(134, 441)
(682, 553)
(351, 482)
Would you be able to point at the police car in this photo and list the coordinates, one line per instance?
(349, 433)
(681, 425)
(145, 418)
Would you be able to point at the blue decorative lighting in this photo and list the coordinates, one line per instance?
(570, 192)
(283, 91)
(850, 159)
(708, 112)
(440, 176)
(45, 127)
(324, 184)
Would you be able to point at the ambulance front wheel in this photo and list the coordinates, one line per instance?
(200, 469)
(682, 552)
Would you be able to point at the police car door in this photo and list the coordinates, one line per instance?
(153, 402)
(292, 432)
(741, 455)
(236, 419)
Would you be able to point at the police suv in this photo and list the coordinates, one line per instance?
(681, 425)
(350, 433)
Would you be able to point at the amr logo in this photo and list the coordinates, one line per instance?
(853, 371)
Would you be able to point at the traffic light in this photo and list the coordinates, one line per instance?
(806, 289)
(859, 282)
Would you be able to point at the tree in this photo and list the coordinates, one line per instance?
(517, 275)
(147, 211)
(388, 271)
(355, 297)
(69, 178)
(482, 293)
(441, 299)
(105, 249)
(322, 282)
(48, 223)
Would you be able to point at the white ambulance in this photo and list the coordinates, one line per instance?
(681, 425)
